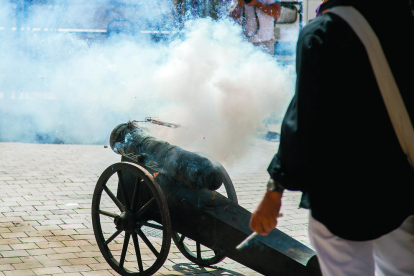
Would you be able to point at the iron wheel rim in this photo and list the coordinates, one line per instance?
(158, 198)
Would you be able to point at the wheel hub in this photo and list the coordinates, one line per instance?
(125, 221)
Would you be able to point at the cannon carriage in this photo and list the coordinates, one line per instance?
(158, 192)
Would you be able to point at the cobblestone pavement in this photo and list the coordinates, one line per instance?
(45, 210)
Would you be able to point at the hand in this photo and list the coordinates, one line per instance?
(264, 217)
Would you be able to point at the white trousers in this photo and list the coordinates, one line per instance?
(389, 255)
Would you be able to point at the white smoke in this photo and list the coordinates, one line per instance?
(210, 80)
(221, 88)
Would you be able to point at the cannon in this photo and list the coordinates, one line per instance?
(159, 191)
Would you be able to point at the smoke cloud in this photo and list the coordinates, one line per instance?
(62, 87)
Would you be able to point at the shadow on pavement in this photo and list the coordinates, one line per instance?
(193, 269)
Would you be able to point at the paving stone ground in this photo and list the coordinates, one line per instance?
(45, 210)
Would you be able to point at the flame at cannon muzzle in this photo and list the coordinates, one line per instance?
(185, 167)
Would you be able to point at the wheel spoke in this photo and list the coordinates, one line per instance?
(111, 238)
(137, 251)
(146, 206)
(147, 242)
(109, 214)
(198, 250)
(135, 195)
(155, 226)
(123, 189)
(124, 250)
(114, 199)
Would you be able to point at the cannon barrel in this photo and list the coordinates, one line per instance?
(185, 167)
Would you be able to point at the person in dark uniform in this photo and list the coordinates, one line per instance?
(339, 148)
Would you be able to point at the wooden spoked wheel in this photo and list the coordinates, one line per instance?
(128, 207)
(193, 250)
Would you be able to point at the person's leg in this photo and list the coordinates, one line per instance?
(339, 257)
(394, 252)
(267, 47)
(270, 46)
